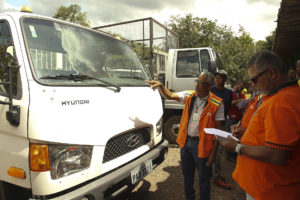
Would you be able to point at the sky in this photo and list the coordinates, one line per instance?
(258, 17)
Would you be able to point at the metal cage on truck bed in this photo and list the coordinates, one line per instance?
(150, 40)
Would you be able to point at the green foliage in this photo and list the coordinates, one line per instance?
(234, 49)
(140, 49)
(268, 43)
(73, 14)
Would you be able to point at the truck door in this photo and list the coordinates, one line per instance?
(13, 133)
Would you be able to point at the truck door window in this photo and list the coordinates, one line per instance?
(187, 65)
(7, 57)
(218, 61)
(205, 58)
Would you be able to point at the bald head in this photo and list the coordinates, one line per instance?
(204, 83)
(209, 77)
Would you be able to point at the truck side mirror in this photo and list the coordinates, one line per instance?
(8, 62)
(212, 66)
(13, 115)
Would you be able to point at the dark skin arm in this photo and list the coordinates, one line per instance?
(234, 102)
(167, 94)
(261, 153)
(212, 155)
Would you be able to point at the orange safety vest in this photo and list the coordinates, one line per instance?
(207, 120)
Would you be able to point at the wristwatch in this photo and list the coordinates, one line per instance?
(238, 148)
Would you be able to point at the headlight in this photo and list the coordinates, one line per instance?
(159, 126)
(66, 160)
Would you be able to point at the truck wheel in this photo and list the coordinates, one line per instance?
(10, 192)
(2, 192)
(171, 128)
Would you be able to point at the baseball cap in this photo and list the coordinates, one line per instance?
(222, 73)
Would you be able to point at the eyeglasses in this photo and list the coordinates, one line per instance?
(255, 78)
(205, 84)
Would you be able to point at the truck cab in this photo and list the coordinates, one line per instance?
(183, 67)
(77, 120)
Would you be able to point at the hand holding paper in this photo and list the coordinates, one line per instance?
(219, 133)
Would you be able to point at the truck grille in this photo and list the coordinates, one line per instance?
(126, 143)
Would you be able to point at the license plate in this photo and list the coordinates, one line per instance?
(141, 171)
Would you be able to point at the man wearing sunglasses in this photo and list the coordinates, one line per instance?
(202, 110)
(268, 164)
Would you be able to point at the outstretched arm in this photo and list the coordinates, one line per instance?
(167, 94)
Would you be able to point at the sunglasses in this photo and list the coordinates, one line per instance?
(205, 84)
(255, 78)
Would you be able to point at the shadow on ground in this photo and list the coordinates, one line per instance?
(166, 182)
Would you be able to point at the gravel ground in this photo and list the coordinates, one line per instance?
(166, 182)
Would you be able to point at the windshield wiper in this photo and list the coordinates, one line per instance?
(73, 77)
(80, 77)
(132, 77)
(187, 75)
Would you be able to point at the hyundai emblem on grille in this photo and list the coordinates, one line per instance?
(133, 141)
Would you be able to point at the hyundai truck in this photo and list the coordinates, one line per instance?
(77, 120)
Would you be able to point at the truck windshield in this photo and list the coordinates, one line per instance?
(188, 65)
(64, 54)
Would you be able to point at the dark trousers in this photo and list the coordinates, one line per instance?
(229, 123)
(189, 162)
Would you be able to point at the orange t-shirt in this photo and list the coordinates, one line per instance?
(251, 108)
(276, 124)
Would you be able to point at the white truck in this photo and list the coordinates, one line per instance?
(182, 68)
(77, 120)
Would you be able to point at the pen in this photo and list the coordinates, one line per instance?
(237, 125)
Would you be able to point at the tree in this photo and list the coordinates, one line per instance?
(267, 43)
(235, 48)
(73, 14)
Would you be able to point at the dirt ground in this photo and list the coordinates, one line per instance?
(166, 182)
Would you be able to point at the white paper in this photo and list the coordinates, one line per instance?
(219, 132)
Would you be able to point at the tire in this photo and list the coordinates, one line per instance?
(2, 192)
(10, 192)
(171, 128)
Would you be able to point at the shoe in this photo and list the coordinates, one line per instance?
(221, 182)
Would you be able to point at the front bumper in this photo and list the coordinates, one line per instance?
(115, 182)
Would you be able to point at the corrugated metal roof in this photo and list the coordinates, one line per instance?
(287, 35)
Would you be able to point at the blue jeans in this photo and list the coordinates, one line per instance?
(189, 162)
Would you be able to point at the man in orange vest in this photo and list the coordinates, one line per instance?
(268, 164)
(202, 110)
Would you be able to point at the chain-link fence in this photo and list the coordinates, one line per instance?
(150, 40)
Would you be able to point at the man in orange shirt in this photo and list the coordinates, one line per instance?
(250, 107)
(268, 165)
(202, 109)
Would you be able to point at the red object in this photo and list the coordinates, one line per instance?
(234, 111)
(221, 182)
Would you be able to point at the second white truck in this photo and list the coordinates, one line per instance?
(182, 68)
